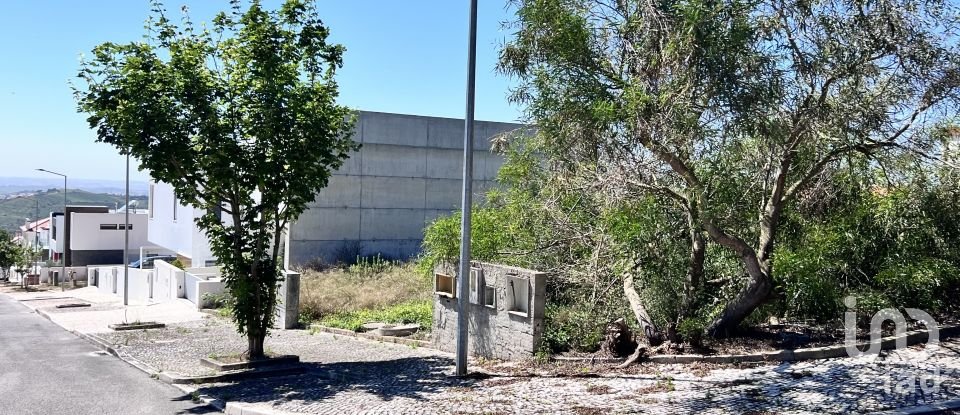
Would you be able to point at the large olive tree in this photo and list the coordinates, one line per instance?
(241, 119)
(731, 108)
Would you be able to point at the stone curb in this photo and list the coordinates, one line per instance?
(814, 353)
(235, 408)
(232, 375)
(371, 336)
(935, 408)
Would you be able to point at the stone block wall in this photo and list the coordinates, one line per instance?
(498, 325)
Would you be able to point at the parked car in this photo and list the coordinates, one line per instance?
(147, 263)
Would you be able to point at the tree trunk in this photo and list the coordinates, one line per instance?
(255, 339)
(757, 291)
(649, 332)
(691, 286)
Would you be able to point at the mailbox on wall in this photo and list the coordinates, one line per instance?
(506, 309)
(445, 285)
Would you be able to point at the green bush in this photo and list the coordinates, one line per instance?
(420, 312)
(571, 328)
(925, 283)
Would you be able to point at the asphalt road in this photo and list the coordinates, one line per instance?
(47, 370)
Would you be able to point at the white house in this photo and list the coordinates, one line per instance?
(170, 225)
(95, 235)
(36, 235)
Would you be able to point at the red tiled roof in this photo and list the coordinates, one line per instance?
(43, 224)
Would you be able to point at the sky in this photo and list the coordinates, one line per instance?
(406, 56)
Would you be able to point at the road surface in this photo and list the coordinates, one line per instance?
(47, 370)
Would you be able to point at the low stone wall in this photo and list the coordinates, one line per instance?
(505, 319)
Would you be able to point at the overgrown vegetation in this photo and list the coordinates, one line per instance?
(416, 311)
(702, 165)
(372, 289)
(888, 242)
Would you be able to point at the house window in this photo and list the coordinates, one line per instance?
(150, 202)
(108, 226)
(129, 226)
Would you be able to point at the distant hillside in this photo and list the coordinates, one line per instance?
(10, 185)
(14, 211)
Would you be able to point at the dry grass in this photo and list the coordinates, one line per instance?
(360, 287)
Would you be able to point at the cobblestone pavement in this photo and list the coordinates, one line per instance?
(347, 375)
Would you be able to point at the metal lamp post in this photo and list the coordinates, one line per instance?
(463, 281)
(63, 244)
(36, 236)
(126, 237)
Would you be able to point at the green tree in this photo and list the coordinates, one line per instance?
(8, 254)
(241, 119)
(730, 109)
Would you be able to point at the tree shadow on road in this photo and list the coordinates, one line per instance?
(199, 408)
(412, 378)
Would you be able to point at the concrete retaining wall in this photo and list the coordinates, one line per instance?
(168, 281)
(47, 273)
(109, 280)
(197, 285)
(141, 285)
(504, 321)
(407, 174)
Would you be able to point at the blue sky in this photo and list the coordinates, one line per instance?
(402, 56)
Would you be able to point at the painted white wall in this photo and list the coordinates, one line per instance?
(162, 229)
(86, 235)
(55, 239)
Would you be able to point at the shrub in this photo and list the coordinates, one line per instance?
(922, 283)
(571, 328)
(417, 311)
(177, 263)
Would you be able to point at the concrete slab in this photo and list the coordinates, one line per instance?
(379, 224)
(400, 129)
(448, 164)
(393, 192)
(341, 191)
(327, 224)
(444, 194)
(394, 161)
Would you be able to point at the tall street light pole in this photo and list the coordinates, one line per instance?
(126, 238)
(63, 244)
(463, 276)
(36, 235)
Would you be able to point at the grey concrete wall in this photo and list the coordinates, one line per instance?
(495, 332)
(406, 174)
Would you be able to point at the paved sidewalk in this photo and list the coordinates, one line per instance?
(105, 309)
(349, 375)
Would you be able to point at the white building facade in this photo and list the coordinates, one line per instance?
(170, 225)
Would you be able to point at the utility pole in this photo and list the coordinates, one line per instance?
(463, 276)
(126, 238)
(63, 244)
(36, 235)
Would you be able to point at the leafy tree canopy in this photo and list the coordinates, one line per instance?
(240, 117)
